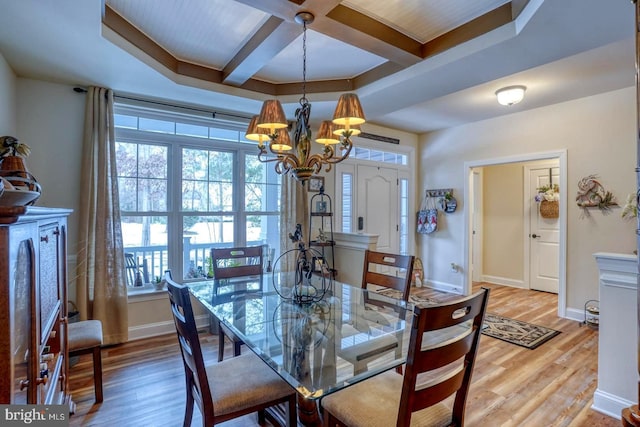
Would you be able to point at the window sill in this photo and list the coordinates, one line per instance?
(147, 292)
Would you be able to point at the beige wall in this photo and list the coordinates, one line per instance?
(50, 118)
(599, 135)
(503, 227)
(7, 99)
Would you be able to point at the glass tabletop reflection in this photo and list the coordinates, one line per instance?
(346, 336)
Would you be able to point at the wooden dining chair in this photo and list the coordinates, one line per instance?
(229, 389)
(381, 270)
(135, 270)
(229, 263)
(442, 351)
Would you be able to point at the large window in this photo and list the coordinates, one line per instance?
(188, 184)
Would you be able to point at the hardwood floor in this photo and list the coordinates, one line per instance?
(552, 385)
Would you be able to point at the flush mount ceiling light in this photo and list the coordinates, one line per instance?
(293, 155)
(511, 94)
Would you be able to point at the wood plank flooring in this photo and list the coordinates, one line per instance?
(552, 385)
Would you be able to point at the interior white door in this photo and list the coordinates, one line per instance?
(476, 226)
(377, 205)
(544, 235)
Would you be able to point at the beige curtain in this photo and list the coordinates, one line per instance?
(100, 279)
(295, 210)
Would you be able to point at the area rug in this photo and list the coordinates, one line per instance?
(516, 332)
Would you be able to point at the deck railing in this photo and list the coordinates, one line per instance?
(152, 261)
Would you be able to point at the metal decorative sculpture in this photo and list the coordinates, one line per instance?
(312, 278)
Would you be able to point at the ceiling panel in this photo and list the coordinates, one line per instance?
(204, 32)
(327, 59)
(424, 20)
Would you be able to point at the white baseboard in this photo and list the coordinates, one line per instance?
(443, 286)
(609, 404)
(576, 314)
(162, 328)
(504, 281)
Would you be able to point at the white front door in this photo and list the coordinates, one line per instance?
(377, 205)
(544, 235)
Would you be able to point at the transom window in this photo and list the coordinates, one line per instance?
(187, 184)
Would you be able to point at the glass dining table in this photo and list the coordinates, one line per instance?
(347, 335)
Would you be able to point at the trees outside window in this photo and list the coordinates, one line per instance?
(187, 185)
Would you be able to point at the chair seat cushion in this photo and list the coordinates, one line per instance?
(244, 381)
(375, 402)
(85, 334)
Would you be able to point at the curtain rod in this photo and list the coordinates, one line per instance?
(166, 104)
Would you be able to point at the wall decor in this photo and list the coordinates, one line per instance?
(427, 216)
(591, 194)
(630, 209)
(548, 196)
(316, 183)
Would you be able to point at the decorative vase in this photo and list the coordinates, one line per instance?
(14, 170)
(13, 163)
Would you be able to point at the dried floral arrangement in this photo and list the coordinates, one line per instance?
(591, 194)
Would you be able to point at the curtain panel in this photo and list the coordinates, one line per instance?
(295, 210)
(100, 276)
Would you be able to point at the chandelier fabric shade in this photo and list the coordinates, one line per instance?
(292, 154)
(254, 133)
(282, 141)
(348, 111)
(326, 133)
(272, 116)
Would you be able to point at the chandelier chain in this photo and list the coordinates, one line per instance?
(304, 63)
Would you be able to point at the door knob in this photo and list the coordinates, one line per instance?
(534, 236)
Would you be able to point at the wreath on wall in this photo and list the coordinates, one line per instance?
(591, 194)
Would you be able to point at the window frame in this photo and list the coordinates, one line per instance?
(175, 144)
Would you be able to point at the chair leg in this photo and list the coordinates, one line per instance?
(292, 412)
(220, 343)
(329, 420)
(97, 373)
(236, 348)
(188, 410)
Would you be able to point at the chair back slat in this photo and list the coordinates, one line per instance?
(429, 396)
(435, 358)
(194, 366)
(443, 346)
(376, 265)
(131, 268)
(237, 262)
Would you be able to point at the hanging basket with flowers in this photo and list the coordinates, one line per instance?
(548, 197)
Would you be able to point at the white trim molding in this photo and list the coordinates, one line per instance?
(561, 156)
(617, 335)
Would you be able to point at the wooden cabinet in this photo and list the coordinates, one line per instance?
(33, 306)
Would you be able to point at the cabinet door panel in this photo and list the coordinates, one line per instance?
(49, 291)
(23, 338)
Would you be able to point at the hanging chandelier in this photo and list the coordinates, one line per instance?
(294, 157)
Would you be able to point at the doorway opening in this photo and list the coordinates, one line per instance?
(473, 198)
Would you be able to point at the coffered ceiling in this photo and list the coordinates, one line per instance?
(257, 45)
(417, 65)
